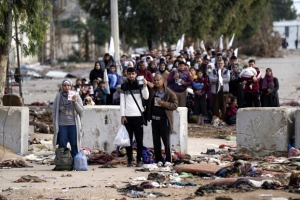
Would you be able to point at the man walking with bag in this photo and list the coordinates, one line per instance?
(161, 103)
(131, 107)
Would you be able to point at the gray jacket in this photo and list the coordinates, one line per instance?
(214, 80)
(78, 113)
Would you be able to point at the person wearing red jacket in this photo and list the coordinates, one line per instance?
(231, 111)
(142, 71)
(251, 94)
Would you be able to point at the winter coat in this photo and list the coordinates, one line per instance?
(170, 103)
(78, 109)
(215, 83)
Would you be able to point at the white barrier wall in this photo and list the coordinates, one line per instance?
(14, 127)
(297, 129)
(261, 131)
(100, 125)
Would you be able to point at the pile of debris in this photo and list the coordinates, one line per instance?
(42, 121)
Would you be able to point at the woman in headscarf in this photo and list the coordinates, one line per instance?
(96, 73)
(162, 69)
(235, 85)
(269, 86)
(152, 67)
(66, 113)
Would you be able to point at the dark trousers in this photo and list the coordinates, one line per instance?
(232, 120)
(161, 130)
(134, 125)
(109, 97)
(68, 134)
(220, 102)
(252, 99)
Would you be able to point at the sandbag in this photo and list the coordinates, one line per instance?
(194, 168)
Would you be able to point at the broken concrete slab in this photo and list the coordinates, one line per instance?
(14, 128)
(100, 124)
(297, 129)
(261, 131)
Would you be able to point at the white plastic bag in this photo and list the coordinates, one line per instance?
(122, 138)
(80, 162)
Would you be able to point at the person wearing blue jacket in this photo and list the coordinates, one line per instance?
(114, 80)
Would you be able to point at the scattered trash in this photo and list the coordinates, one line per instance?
(265, 195)
(29, 178)
(13, 163)
(140, 179)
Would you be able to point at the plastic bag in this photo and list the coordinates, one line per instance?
(80, 162)
(122, 138)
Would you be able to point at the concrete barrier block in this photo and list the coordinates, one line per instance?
(261, 131)
(100, 125)
(297, 129)
(14, 128)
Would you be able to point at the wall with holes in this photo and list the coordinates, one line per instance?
(261, 131)
(14, 127)
(100, 125)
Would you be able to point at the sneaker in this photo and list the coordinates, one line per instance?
(129, 164)
(138, 164)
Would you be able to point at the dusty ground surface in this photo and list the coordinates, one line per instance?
(95, 179)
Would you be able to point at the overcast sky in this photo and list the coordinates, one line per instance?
(297, 5)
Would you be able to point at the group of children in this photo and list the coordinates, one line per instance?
(97, 94)
(199, 102)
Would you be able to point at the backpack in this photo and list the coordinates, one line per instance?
(63, 159)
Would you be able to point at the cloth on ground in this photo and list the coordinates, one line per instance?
(14, 163)
(194, 168)
(99, 159)
(28, 178)
(293, 152)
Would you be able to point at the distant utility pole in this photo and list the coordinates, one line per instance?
(52, 35)
(115, 26)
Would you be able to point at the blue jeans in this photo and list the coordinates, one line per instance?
(68, 134)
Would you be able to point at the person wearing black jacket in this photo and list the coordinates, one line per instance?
(107, 61)
(235, 85)
(131, 106)
(96, 73)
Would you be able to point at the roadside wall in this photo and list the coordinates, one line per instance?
(261, 131)
(14, 128)
(100, 125)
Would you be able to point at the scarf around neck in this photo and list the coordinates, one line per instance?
(268, 81)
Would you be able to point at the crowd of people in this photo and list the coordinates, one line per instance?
(211, 83)
(155, 84)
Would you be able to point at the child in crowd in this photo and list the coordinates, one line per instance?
(248, 72)
(113, 80)
(100, 94)
(231, 111)
(116, 96)
(83, 81)
(123, 78)
(193, 73)
(229, 96)
(199, 86)
(88, 101)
